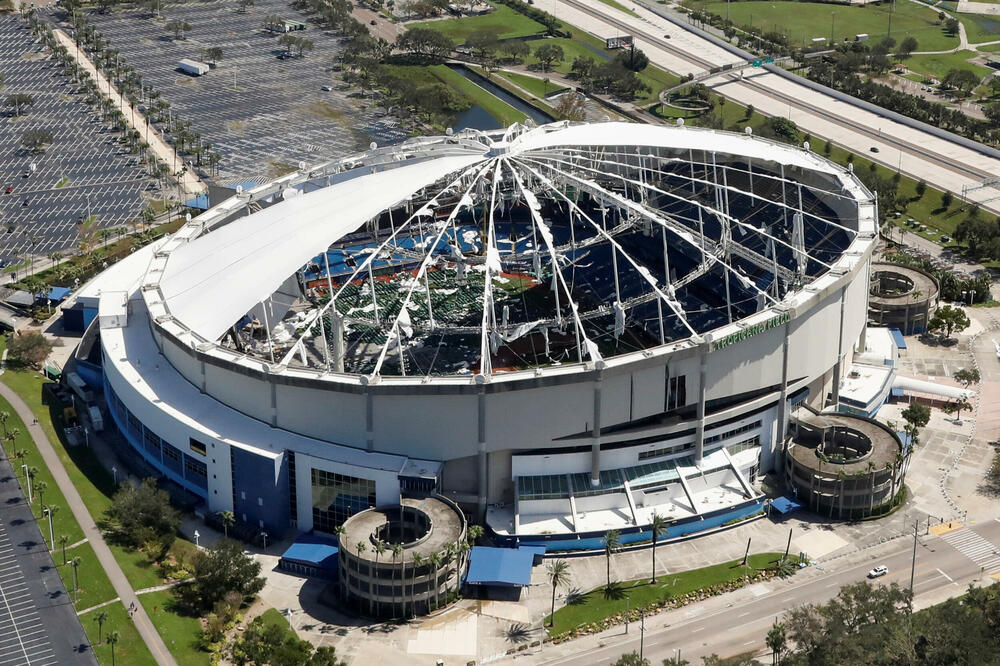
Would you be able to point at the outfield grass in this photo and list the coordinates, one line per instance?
(130, 650)
(938, 65)
(95, 586)
(802, 21)
(594, 607)
(505, 21)
(180, 632)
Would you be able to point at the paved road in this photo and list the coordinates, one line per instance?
(122, 587)
(945, 566)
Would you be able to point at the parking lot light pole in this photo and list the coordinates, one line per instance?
(52, 540)
(27, 482)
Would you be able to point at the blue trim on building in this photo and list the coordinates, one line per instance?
(595, 540)
(260, 494)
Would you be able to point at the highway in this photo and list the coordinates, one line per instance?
(944, 567)
(918, 154)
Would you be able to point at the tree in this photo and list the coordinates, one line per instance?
(29, 348)
(962, 79)
(612, 544)
(777, 641)
(483, 42)
(75, 563)
(40, 488)
(36, 139)
(906, 47)
(966, 376)
(178, 27)
(265, 643)
(631, 659)
(658, 526)
(435, 560)
(113, 639)
(960, 405)
(549, 54)
(582, 68)
(214, 54)
(951, 27)
(228, 519)
(19, 101)
(100, 619)
(946, 199)
(571, 106)
(917, 415)
(947, 319)
(221, 569)
(781, 129)
(920, 189)
(632, 59)
(473, 534)
(516, 49)
(143, 515)
(559, 576)
(425, 41)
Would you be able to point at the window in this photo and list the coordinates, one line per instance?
(734, 432)
(664, 451)
(198, 447)
(153, 443)
(551, 486)
(172, 458)
(293, 509)
(676, 392)
(195, 471)
(337, 497)
(751, 443)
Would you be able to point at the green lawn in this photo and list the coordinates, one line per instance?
(141, 573)
(937, 65)
(594, 607)
(63, 522)
(179, 632)
(422, 75)
(802, 21)
(980, 28)
(130, 650)
(536, 86)
(622, 8)
(505, 21)
(95, 587)
(273, 617)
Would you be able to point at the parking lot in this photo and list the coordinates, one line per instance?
(262, 114)
(83, 172)
(38, 624)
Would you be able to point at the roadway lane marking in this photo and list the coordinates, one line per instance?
(946, 576)
(832, 585)
(743, 614)
(695, 631)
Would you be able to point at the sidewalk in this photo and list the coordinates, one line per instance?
(190, 182)
(122, 587)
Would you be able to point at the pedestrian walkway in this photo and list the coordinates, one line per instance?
(118, 580)
(975, 547)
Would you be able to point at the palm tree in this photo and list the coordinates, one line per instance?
(75, 563)
(228, 519)
(461, 550)
(473, 534)
(418, 561)
(101, 618)
(559, 576)
(63, 540)
(397, 550)
(379, 549)
(776, 640)
(659, 528)
(113, 639)
(612, 544)
(435, 559)
(3, 422)
(40, 488)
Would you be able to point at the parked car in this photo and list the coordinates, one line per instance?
(945, 239)
(10, 188)
(874, 149)
(878, 571)
(326, 88)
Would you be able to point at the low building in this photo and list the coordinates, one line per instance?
(901, 297)
(192, 67)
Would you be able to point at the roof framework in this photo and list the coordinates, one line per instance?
(542, 256)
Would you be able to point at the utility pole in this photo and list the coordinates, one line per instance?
(913, 563)
(642, 634)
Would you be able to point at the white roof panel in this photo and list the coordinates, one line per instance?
(211, 282)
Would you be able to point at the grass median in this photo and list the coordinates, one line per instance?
(130, 648)
(180, 632)
(597, 607)
(503, 20)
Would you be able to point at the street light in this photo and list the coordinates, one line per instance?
(196, 537)
(972, 297)
(27, 482)
(52, 540)
(114, 471)
(263, 535)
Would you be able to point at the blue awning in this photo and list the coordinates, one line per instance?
(897, 393)
(312, 551)
(58, 293)
(537, 552)
(785, 504)
(897, 337)
(500, 566)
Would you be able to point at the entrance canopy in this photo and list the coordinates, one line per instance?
(500, 566)
(785, 504)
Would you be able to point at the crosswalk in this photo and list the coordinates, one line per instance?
(975, 547)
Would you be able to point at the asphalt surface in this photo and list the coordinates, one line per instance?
(85, 171)
(950, 562)
(38, 624)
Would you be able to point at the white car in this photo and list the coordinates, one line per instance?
(880, 570)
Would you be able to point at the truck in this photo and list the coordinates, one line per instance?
(96, 420)
(79, 388)
(192, 67)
